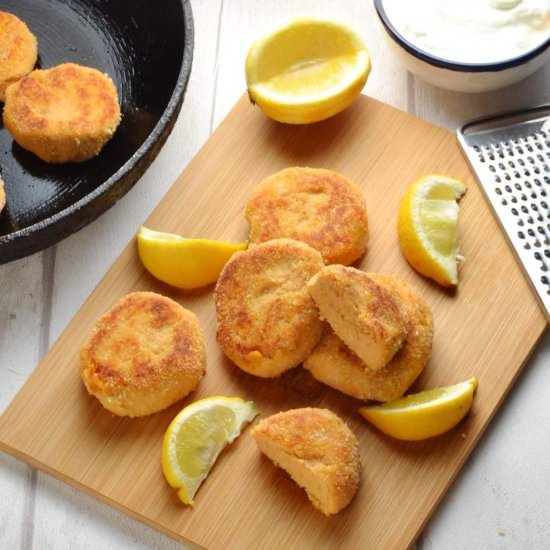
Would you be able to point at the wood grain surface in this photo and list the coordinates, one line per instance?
(487, 328)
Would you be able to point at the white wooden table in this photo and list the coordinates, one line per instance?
(499, 501)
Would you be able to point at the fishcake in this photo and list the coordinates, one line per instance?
(18, 51)
(361, 312)
(63, 114)
(143, 355)
(318, 450)
(335, 365)
(267, 321)
(319, 207)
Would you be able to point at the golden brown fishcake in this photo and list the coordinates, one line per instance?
(143, 355)
(318, 450)
(267, 321)
(18, 51)
(361, 312)
(2, 195)
(334, 364)
(63, 114)
(319, 207)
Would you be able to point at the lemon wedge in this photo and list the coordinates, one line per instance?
(425, 414)
(307, 70)
(428, 227)
(196, 437)
(184, 263)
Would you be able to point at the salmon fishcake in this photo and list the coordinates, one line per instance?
(18, 51)
(335, 365)
(318, 450)
(362, 313)
(319, 207)
(64, 114)
(143, 355)
(267, 321)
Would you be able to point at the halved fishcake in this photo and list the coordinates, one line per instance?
(18, 51)
(318, 450)
(362, 313)
(335, 365)
(63, 114)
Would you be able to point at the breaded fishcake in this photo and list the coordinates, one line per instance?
(318, 450)
(362, 313)
(63, 114)
(18, 51)
(319, 207)
(334, 364)
(267, 321)
(2, 195)
(143, 355)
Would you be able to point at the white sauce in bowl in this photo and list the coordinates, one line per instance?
(472, 31)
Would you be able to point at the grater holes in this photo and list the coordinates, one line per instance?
(497, 178)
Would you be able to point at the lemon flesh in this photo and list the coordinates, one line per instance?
(428, 227)
(183, 263)
(425, 414)
(307, 70)
(197, 436)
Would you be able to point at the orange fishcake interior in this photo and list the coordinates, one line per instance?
(319, 452)
(361, 312)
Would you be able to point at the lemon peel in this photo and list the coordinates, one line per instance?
(425, 414)
(184, 263)
(195, 438)
(428, 227)
(307, 71)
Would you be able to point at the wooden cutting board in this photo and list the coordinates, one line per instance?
(487, 328)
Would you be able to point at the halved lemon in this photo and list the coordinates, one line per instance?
(428, 227)
(425, 414)
(197, 436)
(307, 70)
(184, 263)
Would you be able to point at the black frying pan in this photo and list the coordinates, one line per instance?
(146, 47)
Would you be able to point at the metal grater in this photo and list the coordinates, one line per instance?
(510, 155)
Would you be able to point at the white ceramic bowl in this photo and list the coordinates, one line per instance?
(461, 77)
